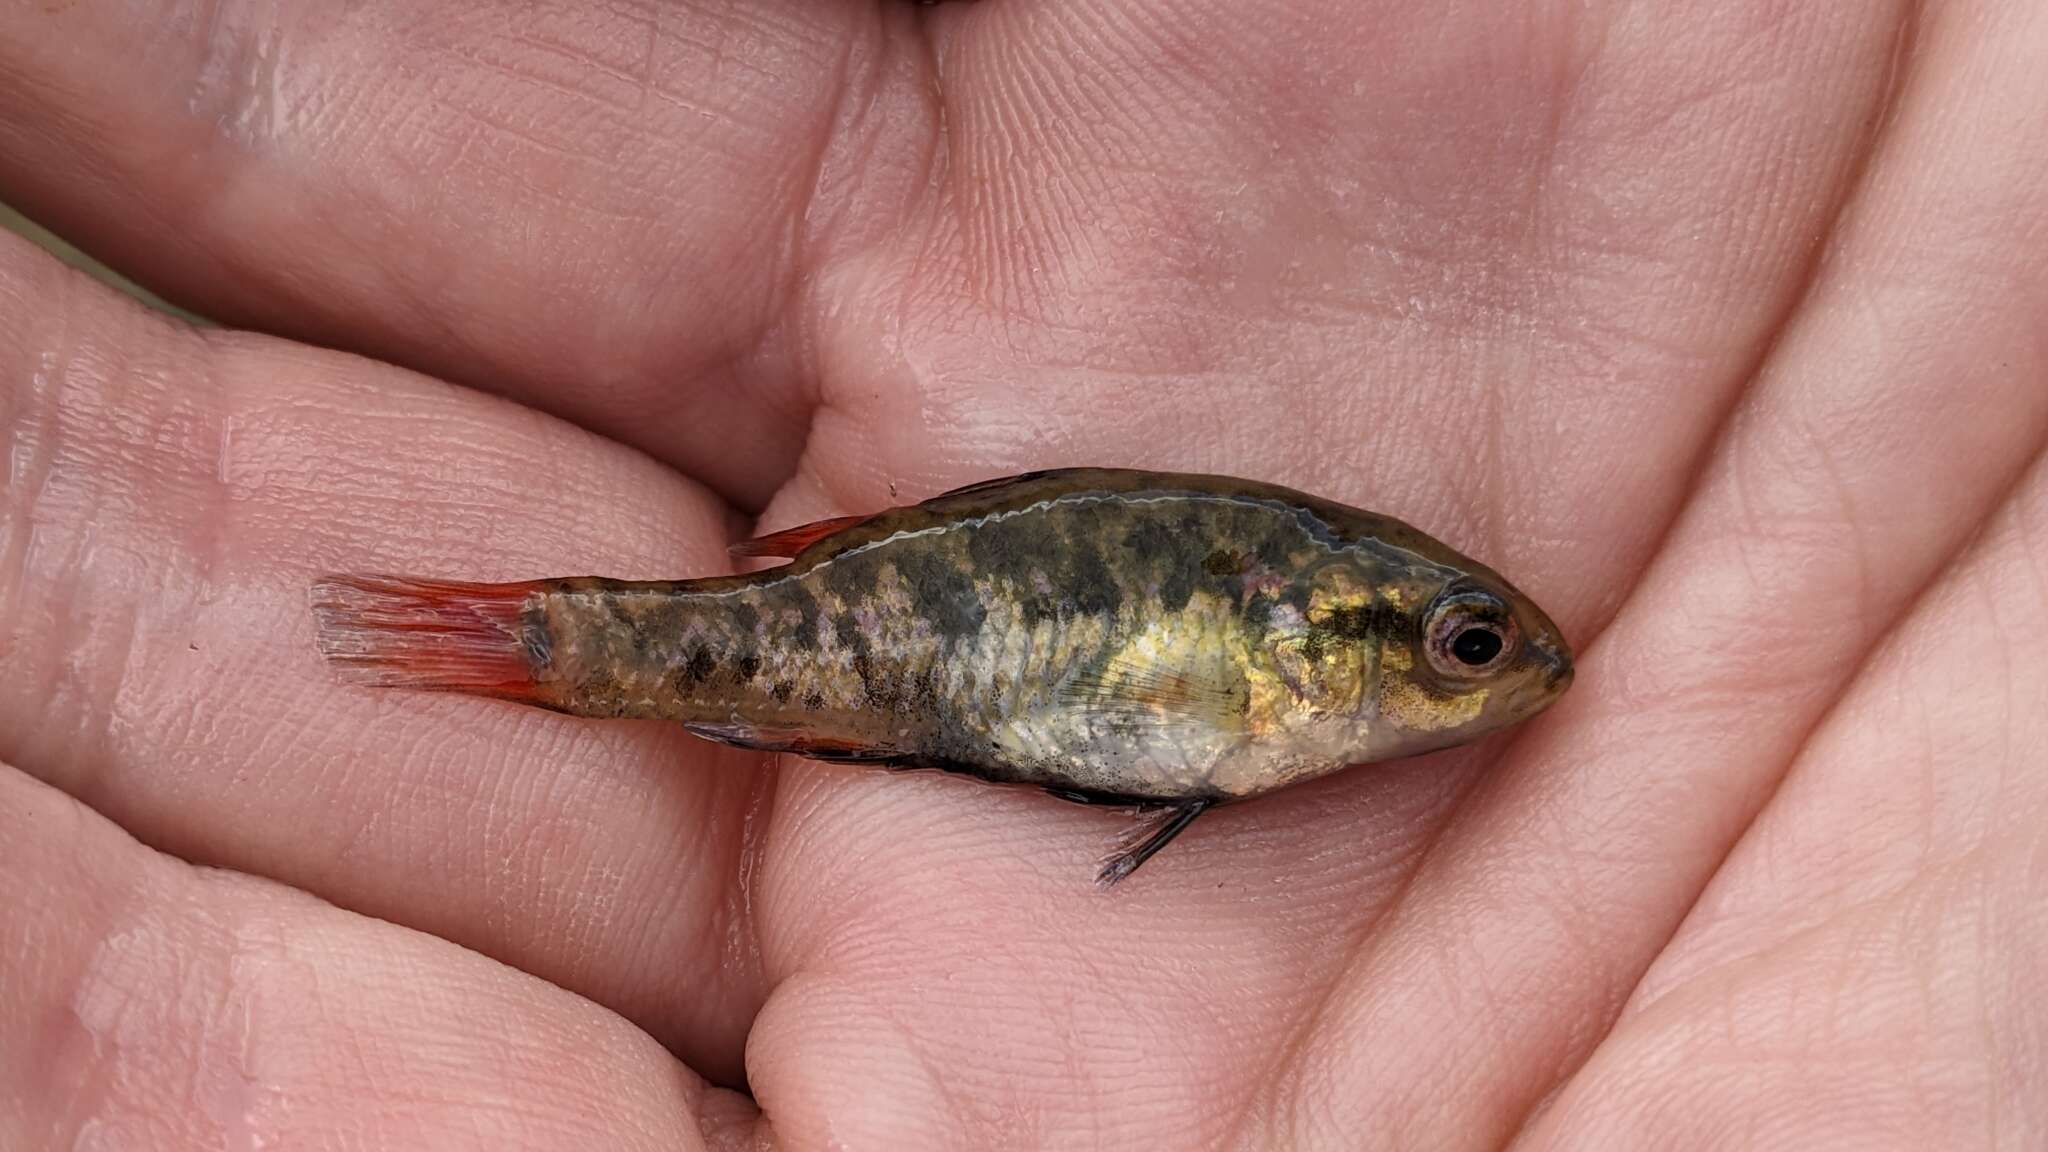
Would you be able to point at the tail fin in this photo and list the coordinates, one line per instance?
(433, 635)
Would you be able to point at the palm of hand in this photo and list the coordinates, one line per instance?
(1718, 331)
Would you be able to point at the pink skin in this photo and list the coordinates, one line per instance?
(1717, 327)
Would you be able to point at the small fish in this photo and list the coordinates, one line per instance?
(1157, 641)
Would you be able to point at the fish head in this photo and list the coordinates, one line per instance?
(1463, 654)
(1380, 660)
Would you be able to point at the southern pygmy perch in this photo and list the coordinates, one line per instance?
(1165, 642)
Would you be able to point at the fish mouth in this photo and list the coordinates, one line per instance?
(1556, 664)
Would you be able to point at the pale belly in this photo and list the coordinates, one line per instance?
(1135, 755)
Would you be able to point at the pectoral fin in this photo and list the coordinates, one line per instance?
(1129, 688)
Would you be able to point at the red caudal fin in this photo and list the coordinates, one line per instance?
(433, 635)
(790, 542)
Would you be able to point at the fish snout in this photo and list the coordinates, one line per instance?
(1554, 660)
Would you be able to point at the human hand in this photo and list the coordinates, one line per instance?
(1716, 328)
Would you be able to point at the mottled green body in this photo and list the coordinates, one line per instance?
(1120, 636)
(989, 632)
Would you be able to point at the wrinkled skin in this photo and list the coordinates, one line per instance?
(1719, 327)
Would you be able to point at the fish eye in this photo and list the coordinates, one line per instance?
(1469, 634)
(1476, 646)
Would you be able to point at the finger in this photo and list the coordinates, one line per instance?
(149, 1004)
(1877, 939)
(170, 498)
(600, 211)
(1899, 406)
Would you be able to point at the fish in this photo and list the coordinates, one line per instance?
(1160, 642)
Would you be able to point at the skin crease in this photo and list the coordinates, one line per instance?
(1717, 328)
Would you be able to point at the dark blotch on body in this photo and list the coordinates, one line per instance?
(1223, 562)
(1033, 607)
(1020, 550)
(943, 592)
(1275, 550)
(1259, 610)
(746, 617)
(850, 577)
(875, 684)
(1176, 587)
(1014, 547)
(628, 622)
(1175, 557)
(1092, 588)
(924, 691)
(846, 630)
(1296, 594)
(806, 606)
(699, 665)
(783, 690)
(1313, 643)
(749, 665)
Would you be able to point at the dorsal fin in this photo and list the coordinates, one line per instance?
(790, 542)
(997, 482)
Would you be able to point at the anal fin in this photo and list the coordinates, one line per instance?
(794, 743)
